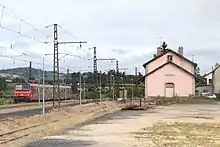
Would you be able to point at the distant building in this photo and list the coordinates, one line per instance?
(212, 81)
(203, 89)
(169, 74)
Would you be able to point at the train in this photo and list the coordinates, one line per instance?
(29, 92)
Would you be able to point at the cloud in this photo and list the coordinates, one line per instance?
(126, 30)
(120, 51)
(21, 45)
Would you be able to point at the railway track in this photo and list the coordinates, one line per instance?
(31, 104)
(19, 133)
(13, 135)
(36, 111)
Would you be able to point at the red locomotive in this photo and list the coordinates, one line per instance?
(33, 92)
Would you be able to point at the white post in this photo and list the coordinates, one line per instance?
(122, 87)
(39, 87)
(84, 89)
(65, 89)
(80, 87)
(113, 84)
(43, 89)
(110, 84)
(132, 95)
(100, 80)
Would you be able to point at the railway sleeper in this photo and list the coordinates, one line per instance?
(9, 139)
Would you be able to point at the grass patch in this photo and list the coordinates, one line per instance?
(8, 92)
(199, 101)
(181, 134)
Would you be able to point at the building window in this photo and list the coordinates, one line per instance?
(169, 57)
(205, 91)
(206, 81)
(169, 85)
(210, 81)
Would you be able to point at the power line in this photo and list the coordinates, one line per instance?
(22, 22)
(68, 32)
(37, 63)
(6, 56)
(23, 35)
(71, 54)
(40, 41)
(34, 29)
(21, 19)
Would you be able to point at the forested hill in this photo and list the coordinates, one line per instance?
(89, 77)
(23, 72)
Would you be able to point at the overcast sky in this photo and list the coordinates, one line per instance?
(128, 30)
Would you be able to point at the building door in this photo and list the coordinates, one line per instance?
(169, 90)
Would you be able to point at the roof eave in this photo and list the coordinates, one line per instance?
(169, 62)
(169, 50)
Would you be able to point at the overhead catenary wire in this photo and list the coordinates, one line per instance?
(39, 41)
(3, 13)
(22, 22)
(46, 65)
(30, 37)
(19, 18)
(68, 32)
(34, 29)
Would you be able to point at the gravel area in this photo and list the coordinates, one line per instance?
(128, 128)
(63, 119)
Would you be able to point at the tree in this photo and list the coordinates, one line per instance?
(139, 74)
(164, 46)
(17, 80)
(3, 84)
(32, 78)
(48, 81)
(199, 80)
(197, 71)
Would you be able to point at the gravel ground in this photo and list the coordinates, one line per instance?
(66, 118)
(128, 128)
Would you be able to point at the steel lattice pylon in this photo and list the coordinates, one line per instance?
(95, 67)
(56, 85)
(95, 61)
(117, 69)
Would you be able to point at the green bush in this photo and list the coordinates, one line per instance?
(91, 95)
(109, 95)
(2, 93)
(137, 91)
(8, 92)
(2, 101)
(74, 96)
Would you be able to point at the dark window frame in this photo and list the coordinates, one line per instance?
(169, 58)
(210, 81)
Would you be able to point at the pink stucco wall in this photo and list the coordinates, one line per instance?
(155, 83)
(176, 59)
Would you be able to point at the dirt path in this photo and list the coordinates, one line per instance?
(121, 129)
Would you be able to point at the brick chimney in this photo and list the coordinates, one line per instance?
(159, 51)
(180, 50)
(216, 65)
